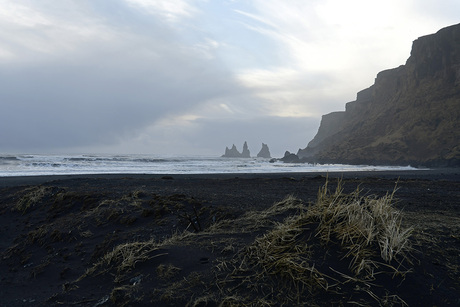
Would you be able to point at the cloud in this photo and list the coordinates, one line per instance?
(94, 101)
(108, 83)
(197, 75)
(171, 10)
(327, 51)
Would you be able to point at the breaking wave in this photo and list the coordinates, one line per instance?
(31, 165)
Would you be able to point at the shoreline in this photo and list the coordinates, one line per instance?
(449, 174)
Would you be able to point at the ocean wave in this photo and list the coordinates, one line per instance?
(26, 165)
(8, 158)
(5, 160)
(153, 160)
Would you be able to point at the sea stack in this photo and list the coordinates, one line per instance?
(234, 153)
(246, 153)
(290, 158)
(264, 152)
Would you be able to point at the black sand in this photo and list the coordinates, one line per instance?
(54, 228)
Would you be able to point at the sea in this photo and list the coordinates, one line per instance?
(54, 164)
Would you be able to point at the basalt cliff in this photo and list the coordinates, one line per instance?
(409, 116)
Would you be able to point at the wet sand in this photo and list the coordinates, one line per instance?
(429, 174)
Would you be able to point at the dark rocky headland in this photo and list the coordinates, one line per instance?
(409, 116)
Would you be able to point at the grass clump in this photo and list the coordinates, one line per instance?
(167, 271)
(124, 257)
(337, 248)
(365, 227)
(258, 220)
(32, 196)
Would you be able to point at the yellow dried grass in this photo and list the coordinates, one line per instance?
(367, 229)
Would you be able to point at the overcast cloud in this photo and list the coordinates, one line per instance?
(191, 77)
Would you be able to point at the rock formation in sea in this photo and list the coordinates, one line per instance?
(264, 152)
(290, 158)
(246, 153)
(231, 153)
(410, 115)
(234, 153)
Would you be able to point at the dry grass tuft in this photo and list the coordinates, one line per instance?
(363, 226)
(341, 243)
(124, 257)
(31, 198)
(127, 255)
(167, 271)
(256, 220)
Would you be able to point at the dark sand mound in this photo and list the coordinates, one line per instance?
(210, 240)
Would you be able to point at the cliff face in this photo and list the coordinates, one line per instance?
(410, 115)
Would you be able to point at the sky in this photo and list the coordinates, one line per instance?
(190, 77)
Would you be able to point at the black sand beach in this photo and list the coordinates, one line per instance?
(173, 240)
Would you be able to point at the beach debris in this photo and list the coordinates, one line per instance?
(136, 280)
(102, 301)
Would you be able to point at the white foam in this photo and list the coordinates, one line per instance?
(32, 165)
